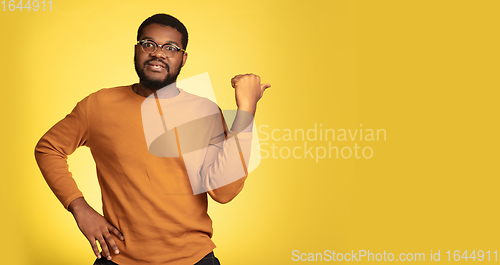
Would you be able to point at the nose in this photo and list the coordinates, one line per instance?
(158, 53)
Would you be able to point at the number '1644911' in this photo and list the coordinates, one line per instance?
(34, 5)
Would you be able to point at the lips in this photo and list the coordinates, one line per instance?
(156, 65)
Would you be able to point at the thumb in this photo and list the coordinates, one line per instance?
(265, 86)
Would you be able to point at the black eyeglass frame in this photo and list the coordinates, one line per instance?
(141, 42)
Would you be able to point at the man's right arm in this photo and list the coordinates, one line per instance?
(51, 154)
(52, 150)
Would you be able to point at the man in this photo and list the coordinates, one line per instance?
(151, 214)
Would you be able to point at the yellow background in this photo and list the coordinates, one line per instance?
(425, 71)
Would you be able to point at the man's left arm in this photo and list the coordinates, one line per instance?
(229, 157)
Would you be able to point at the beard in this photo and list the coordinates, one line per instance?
(155, 84)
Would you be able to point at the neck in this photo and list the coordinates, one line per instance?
(169, 91)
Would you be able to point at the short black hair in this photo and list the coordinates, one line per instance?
(165, 20)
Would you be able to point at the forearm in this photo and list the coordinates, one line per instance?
(52, 150)
(54, 168)
(225, 167)
(243, 121)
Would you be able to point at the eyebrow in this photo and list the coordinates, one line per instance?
(168, 42)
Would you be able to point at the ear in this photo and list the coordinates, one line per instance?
(184, 58)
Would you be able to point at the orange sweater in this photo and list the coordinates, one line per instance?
(148, 198)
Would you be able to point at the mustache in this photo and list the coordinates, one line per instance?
(158, 60)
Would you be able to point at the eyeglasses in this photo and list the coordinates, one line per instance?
(168, 49)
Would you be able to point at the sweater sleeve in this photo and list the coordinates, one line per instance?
(224, 169)
(52, 150)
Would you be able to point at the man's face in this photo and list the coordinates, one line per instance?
(155, 70)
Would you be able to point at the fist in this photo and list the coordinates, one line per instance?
(248, 91)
